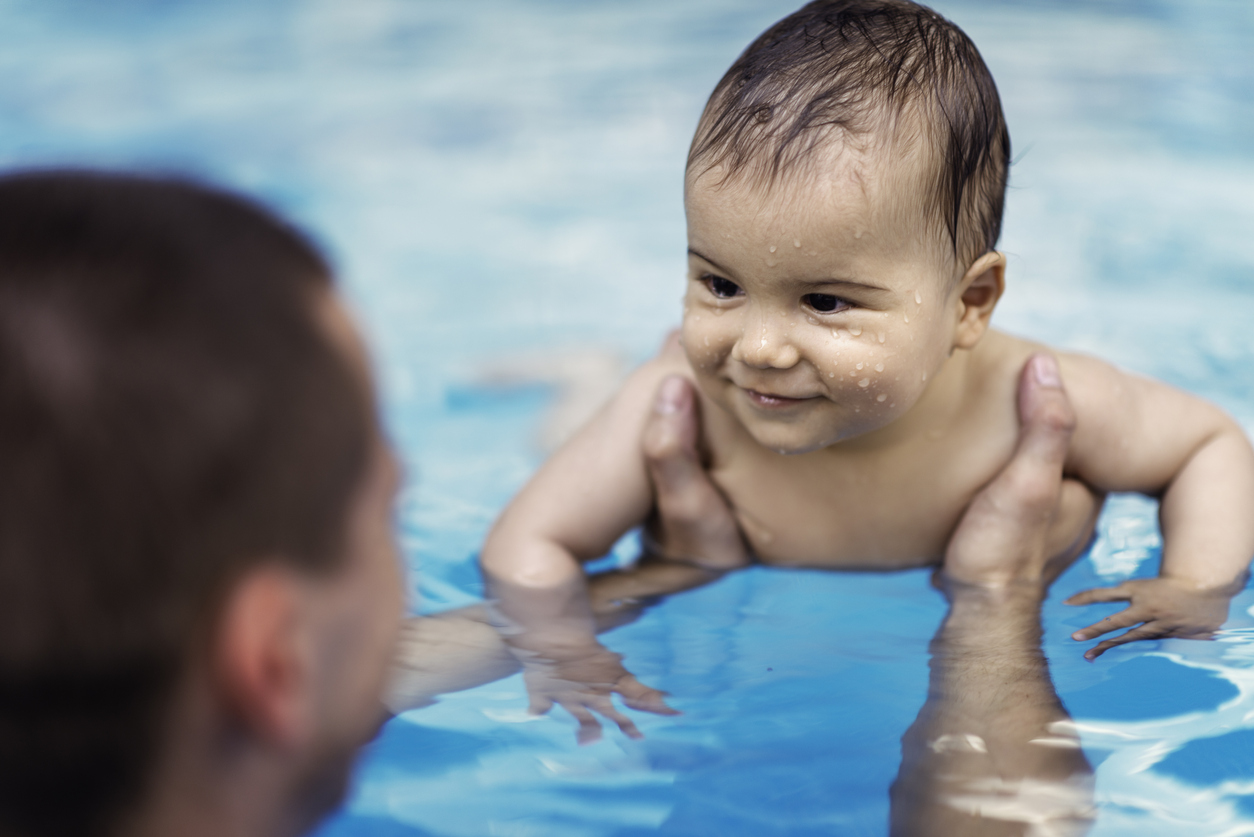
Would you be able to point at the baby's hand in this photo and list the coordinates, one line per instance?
(1162, 607)
(583, 680)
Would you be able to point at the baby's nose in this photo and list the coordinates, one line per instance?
(765, 344)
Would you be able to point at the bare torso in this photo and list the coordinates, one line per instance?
(889, 507)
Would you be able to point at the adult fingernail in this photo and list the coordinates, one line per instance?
(669, 396)
(1045, 370)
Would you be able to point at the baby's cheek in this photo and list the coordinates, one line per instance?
(866, 369)
(704, 342)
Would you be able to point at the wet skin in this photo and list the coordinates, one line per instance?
(853, 402)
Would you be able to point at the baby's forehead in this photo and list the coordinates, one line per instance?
(881, 179)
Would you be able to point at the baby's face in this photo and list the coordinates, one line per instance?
(817, 311)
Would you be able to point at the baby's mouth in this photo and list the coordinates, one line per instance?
(770, 400)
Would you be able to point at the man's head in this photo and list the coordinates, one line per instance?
(193, 503)
(844, 194)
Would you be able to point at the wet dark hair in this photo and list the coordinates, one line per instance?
(856, 66)
(172, 413)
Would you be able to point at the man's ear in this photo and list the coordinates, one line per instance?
(261, 667)
(978, 292)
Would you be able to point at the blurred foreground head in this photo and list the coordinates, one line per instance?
(193, 511)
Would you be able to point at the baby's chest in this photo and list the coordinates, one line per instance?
(857, 514)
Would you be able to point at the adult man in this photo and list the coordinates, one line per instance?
(198, 583)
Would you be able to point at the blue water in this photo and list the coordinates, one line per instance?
(498, 176)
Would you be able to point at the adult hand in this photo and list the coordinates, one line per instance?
(1029, 523)
(693, 523)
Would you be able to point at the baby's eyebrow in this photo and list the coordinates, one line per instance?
(850, 283)
(706, 258)
(847, 282)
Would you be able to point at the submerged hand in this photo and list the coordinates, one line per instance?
(582, 681)
(1161, 607)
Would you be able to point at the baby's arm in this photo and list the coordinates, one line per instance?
(1135, 434)
(592, 490)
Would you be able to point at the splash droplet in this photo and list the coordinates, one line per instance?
(865, 382)
(836, 333)
(858, 366)
(856, 331)
(918, 298)
(907, 317)
(771, 248)
(879, 367)
(881, 398)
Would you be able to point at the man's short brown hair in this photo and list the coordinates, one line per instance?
(855, 66)
(171, 413)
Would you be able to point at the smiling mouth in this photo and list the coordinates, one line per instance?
(770, 401)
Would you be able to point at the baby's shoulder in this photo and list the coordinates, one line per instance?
(1002, 356)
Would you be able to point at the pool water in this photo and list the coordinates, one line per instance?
(502, 177)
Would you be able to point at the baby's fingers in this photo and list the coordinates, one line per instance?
(1144, 632)
(540, 704)
(639, 696)
(1125, 618)
(1118, 593)
(589, 727)
(605, 706)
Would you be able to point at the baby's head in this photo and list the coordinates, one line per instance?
(844, 195)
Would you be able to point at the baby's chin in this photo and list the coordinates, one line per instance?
(794, 440)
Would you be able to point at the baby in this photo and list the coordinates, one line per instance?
(844, 195)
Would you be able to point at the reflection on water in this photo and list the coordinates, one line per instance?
(503, 174)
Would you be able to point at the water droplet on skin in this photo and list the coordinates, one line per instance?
(918, 298)
(858, 234)
(865, 382)
(881, 398)
(925, 376)
(859, 366)
(771, 263)
(836, 333)
(879, 367)
(856, 331)
(880, 337)
(831, 374)
(811, 320)
(771, 248)
(707, 341)
(907, 317)
(796, 242)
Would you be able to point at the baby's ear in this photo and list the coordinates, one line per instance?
(978, 292)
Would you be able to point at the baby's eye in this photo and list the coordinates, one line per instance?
(722, 288)
(825, 303)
